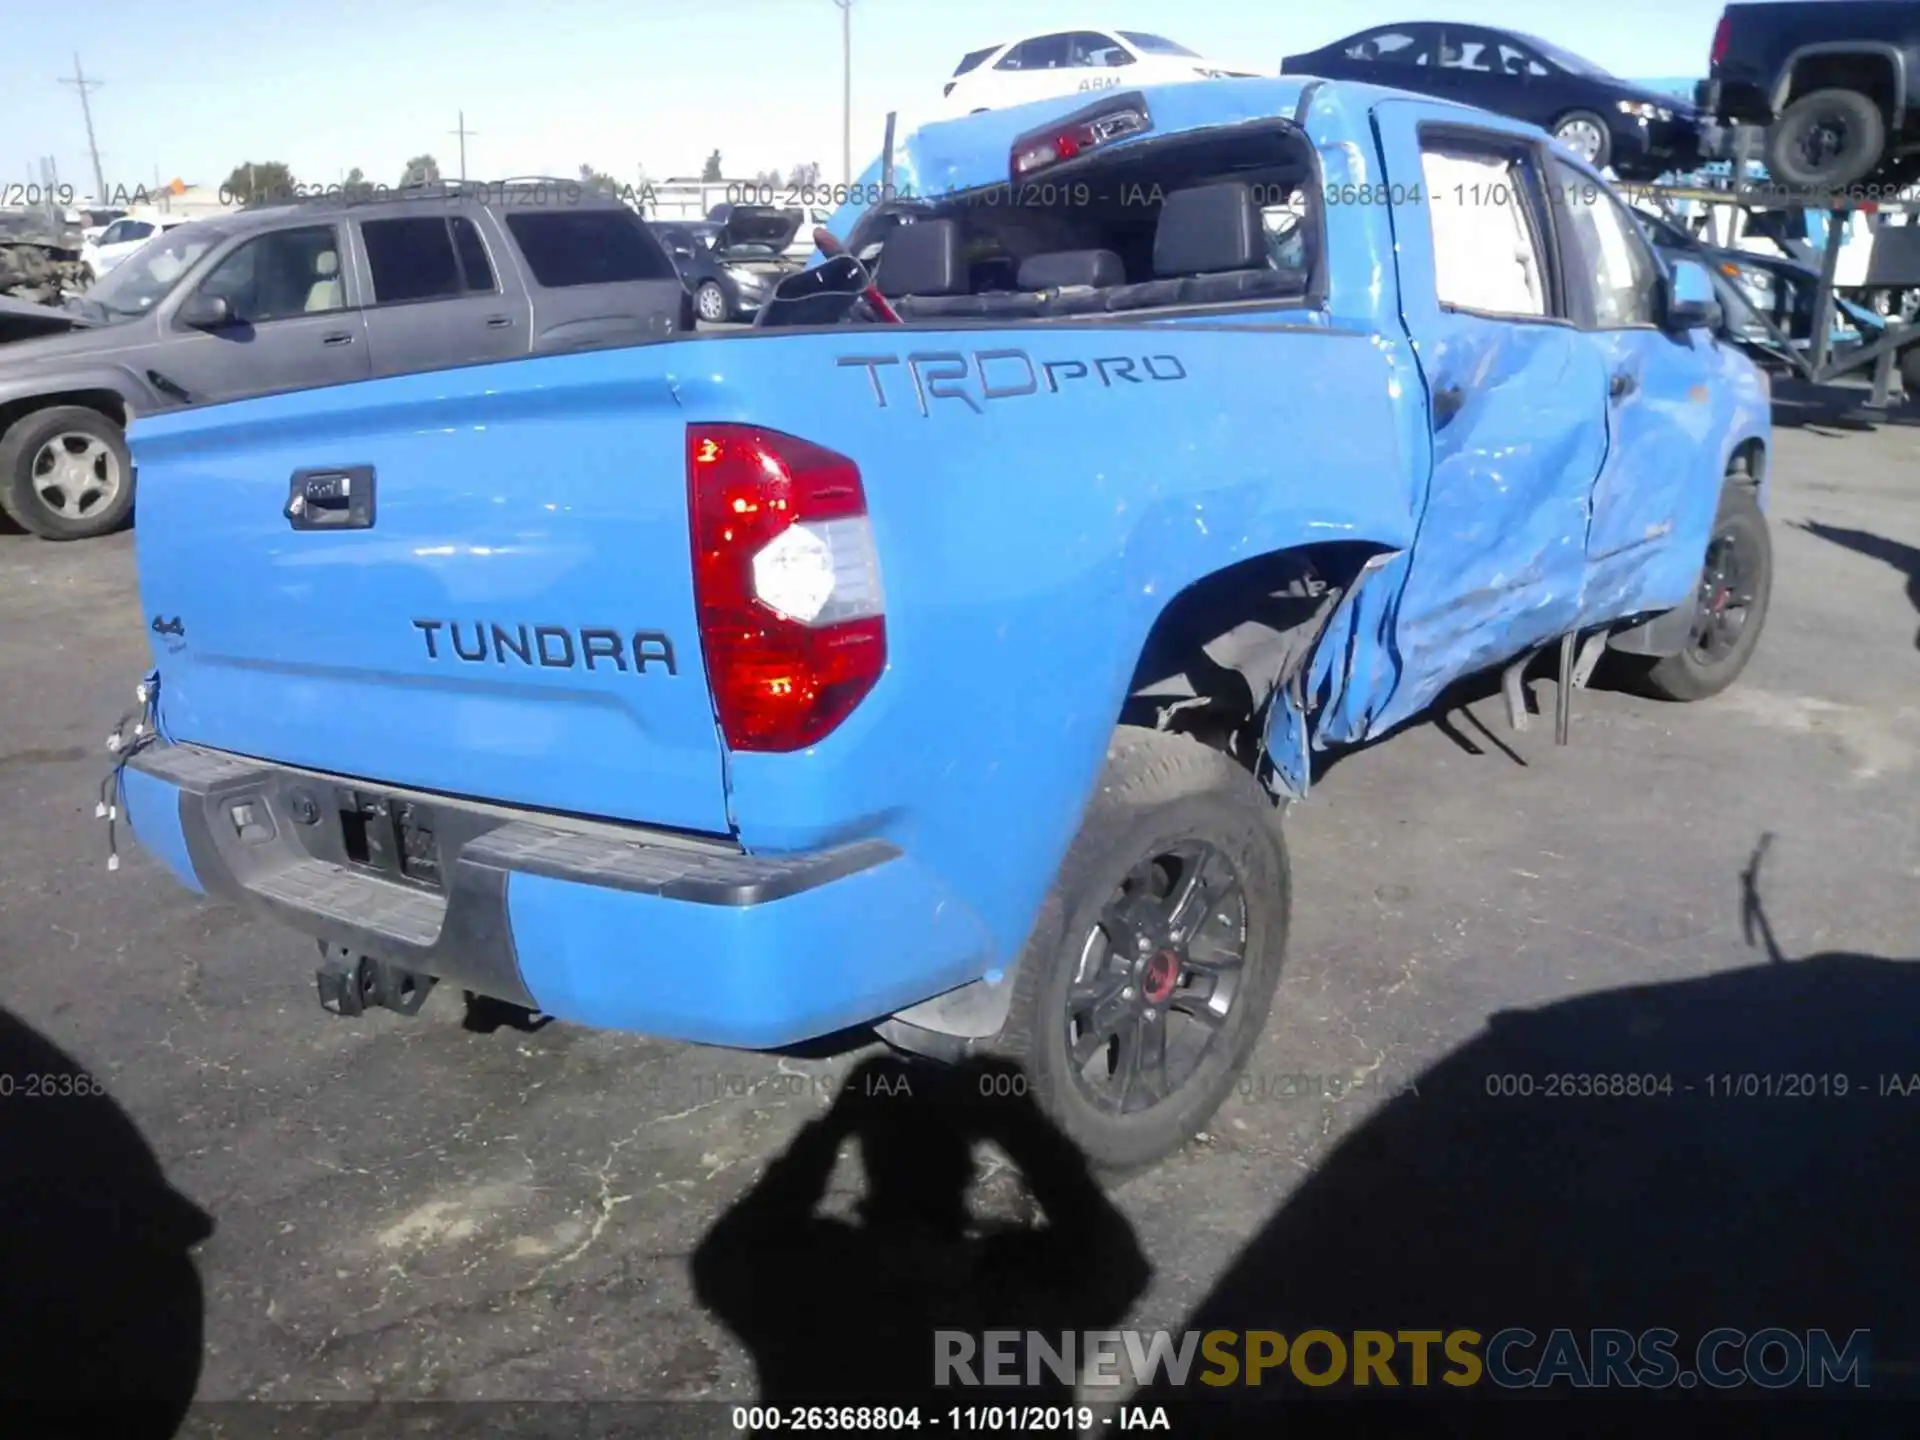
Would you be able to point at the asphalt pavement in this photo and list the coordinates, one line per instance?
(449, 1208)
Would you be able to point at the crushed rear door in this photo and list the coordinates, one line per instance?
(474, 581)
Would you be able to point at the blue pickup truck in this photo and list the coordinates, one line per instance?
(943, 660)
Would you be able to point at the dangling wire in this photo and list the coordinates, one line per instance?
(136, 730)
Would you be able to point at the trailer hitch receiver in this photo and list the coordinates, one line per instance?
(351, 984)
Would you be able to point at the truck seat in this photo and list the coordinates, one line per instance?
(1210, 248)
(325, 292)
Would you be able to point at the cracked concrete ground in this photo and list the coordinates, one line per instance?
(403, 1208)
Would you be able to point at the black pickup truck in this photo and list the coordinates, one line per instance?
(1836, 83)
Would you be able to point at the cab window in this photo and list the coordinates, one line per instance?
(280, 274)
(1489, 251)
(1615, 272)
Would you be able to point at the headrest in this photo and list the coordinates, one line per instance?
(922, 259)
(327, 264)
(1063, 268)
(1207, 229)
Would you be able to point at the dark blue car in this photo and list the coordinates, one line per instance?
(1606, 121)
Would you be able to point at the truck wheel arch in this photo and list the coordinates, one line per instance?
(1241, 613)
(1829, 66)
(1221, 648)
(110, 403)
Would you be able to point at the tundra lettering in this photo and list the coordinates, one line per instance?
(941, 374)
(552, 646)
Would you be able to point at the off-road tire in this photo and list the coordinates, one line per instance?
(1157, 789)
(18, 449)
(1866, 130)
(1687, 676)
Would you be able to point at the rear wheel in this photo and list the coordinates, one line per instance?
(1826, 138)
(1730, 606)
(65, 473)
(1134, 1016)
(711, 302)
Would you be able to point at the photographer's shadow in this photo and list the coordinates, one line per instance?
(101, 1312)
(1736, 1150)
(844, 1312)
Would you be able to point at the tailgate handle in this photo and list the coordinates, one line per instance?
(339, 498)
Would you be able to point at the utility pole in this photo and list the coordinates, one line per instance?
(846, 89)
(83, 85)
(463, 132)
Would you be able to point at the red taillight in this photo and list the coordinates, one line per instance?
(1722, 33)
(786, 584)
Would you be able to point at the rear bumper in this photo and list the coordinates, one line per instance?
(678, 937)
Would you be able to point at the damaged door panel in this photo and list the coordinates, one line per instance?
(1517, 401)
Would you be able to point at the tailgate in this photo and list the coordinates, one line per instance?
(475, 581)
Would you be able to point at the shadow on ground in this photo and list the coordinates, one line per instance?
(1901, 556)
(1769, 1180)
(100, 1302)
(845, 1310)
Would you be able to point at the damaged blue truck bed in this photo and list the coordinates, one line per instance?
(938, 662)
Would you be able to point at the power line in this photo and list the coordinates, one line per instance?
(80, 82)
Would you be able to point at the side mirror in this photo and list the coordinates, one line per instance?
(1691, 301)
(207, 312)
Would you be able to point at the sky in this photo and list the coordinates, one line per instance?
(621, 85)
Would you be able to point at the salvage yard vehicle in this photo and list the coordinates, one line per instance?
(39, 254)
(1833, 82)
(731, 267)
(1610, 123)
(120, 239)
(1073, 62)
(1768, 303)
(946, 673)
(322, 292)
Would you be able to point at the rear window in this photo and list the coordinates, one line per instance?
(972, 61)
(425, 257)
(588, 247)
(411, 259)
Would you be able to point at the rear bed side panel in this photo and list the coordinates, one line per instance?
(545, 497)
(1032, 519)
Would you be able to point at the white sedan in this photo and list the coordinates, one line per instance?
(121, 239)
(1069, 61)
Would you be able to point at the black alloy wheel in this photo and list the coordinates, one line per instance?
(1157, 978)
